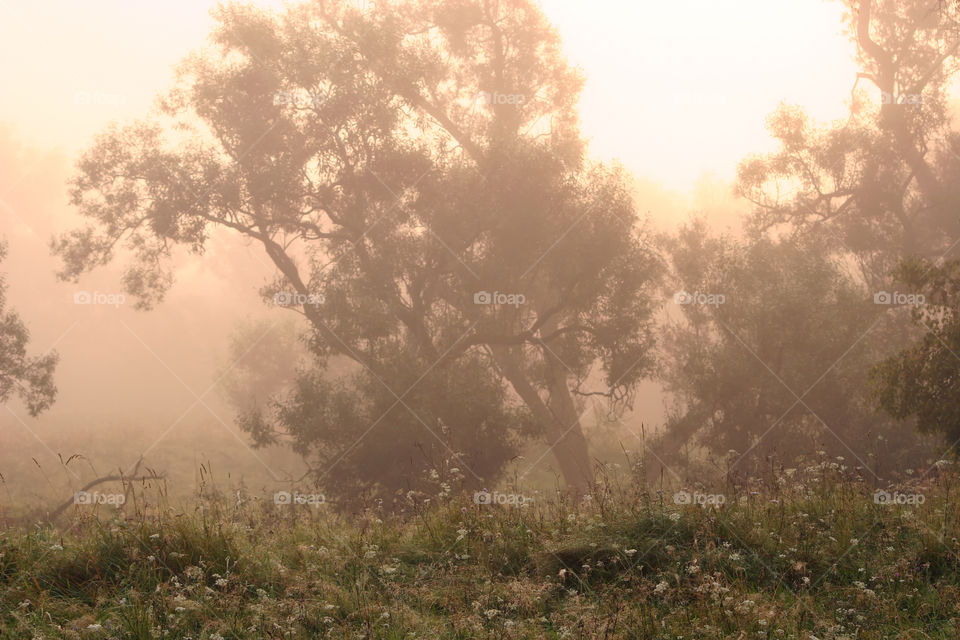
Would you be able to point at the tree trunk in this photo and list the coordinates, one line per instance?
(559, 420)
(570, 449)
(893, 115)
(569, 445)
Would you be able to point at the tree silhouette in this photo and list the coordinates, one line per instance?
(883, 182)
(416, 174)
(922, 381)
(28, 377)
(779, 365)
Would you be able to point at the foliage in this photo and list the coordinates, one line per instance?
(883, 181)
(395, 163)
(262, 361)
(781, 364)
(28, 377)
(923, 380)
(374, 445)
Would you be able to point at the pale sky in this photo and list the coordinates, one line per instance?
(674, 88)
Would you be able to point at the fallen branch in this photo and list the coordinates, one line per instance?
(104, 479)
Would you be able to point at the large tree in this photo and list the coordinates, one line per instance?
(883, 181)
(396, 163)
(866, 191)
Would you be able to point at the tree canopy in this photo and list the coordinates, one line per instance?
(923, 380)
(882, 181)
(416, 174)
(778, 363)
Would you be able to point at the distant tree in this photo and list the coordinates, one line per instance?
(884, 181)
(877, 187)
(268, 374)
(406, 163)
(778, 365)
(923, 380)
(28, 377)
(261, 362)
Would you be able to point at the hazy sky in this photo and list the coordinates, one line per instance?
(662, 75)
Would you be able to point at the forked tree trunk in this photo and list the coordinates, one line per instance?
(569, 445)
(559, 420)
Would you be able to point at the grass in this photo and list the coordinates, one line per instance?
(803, 554)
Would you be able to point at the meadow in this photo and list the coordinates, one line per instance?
(812, 552)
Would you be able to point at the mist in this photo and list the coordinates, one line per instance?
(591, 278)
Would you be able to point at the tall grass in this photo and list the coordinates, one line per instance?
(807, 553)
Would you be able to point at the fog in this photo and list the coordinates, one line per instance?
(480, 319)
(678, 93)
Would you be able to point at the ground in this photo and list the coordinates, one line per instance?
(815, 552)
